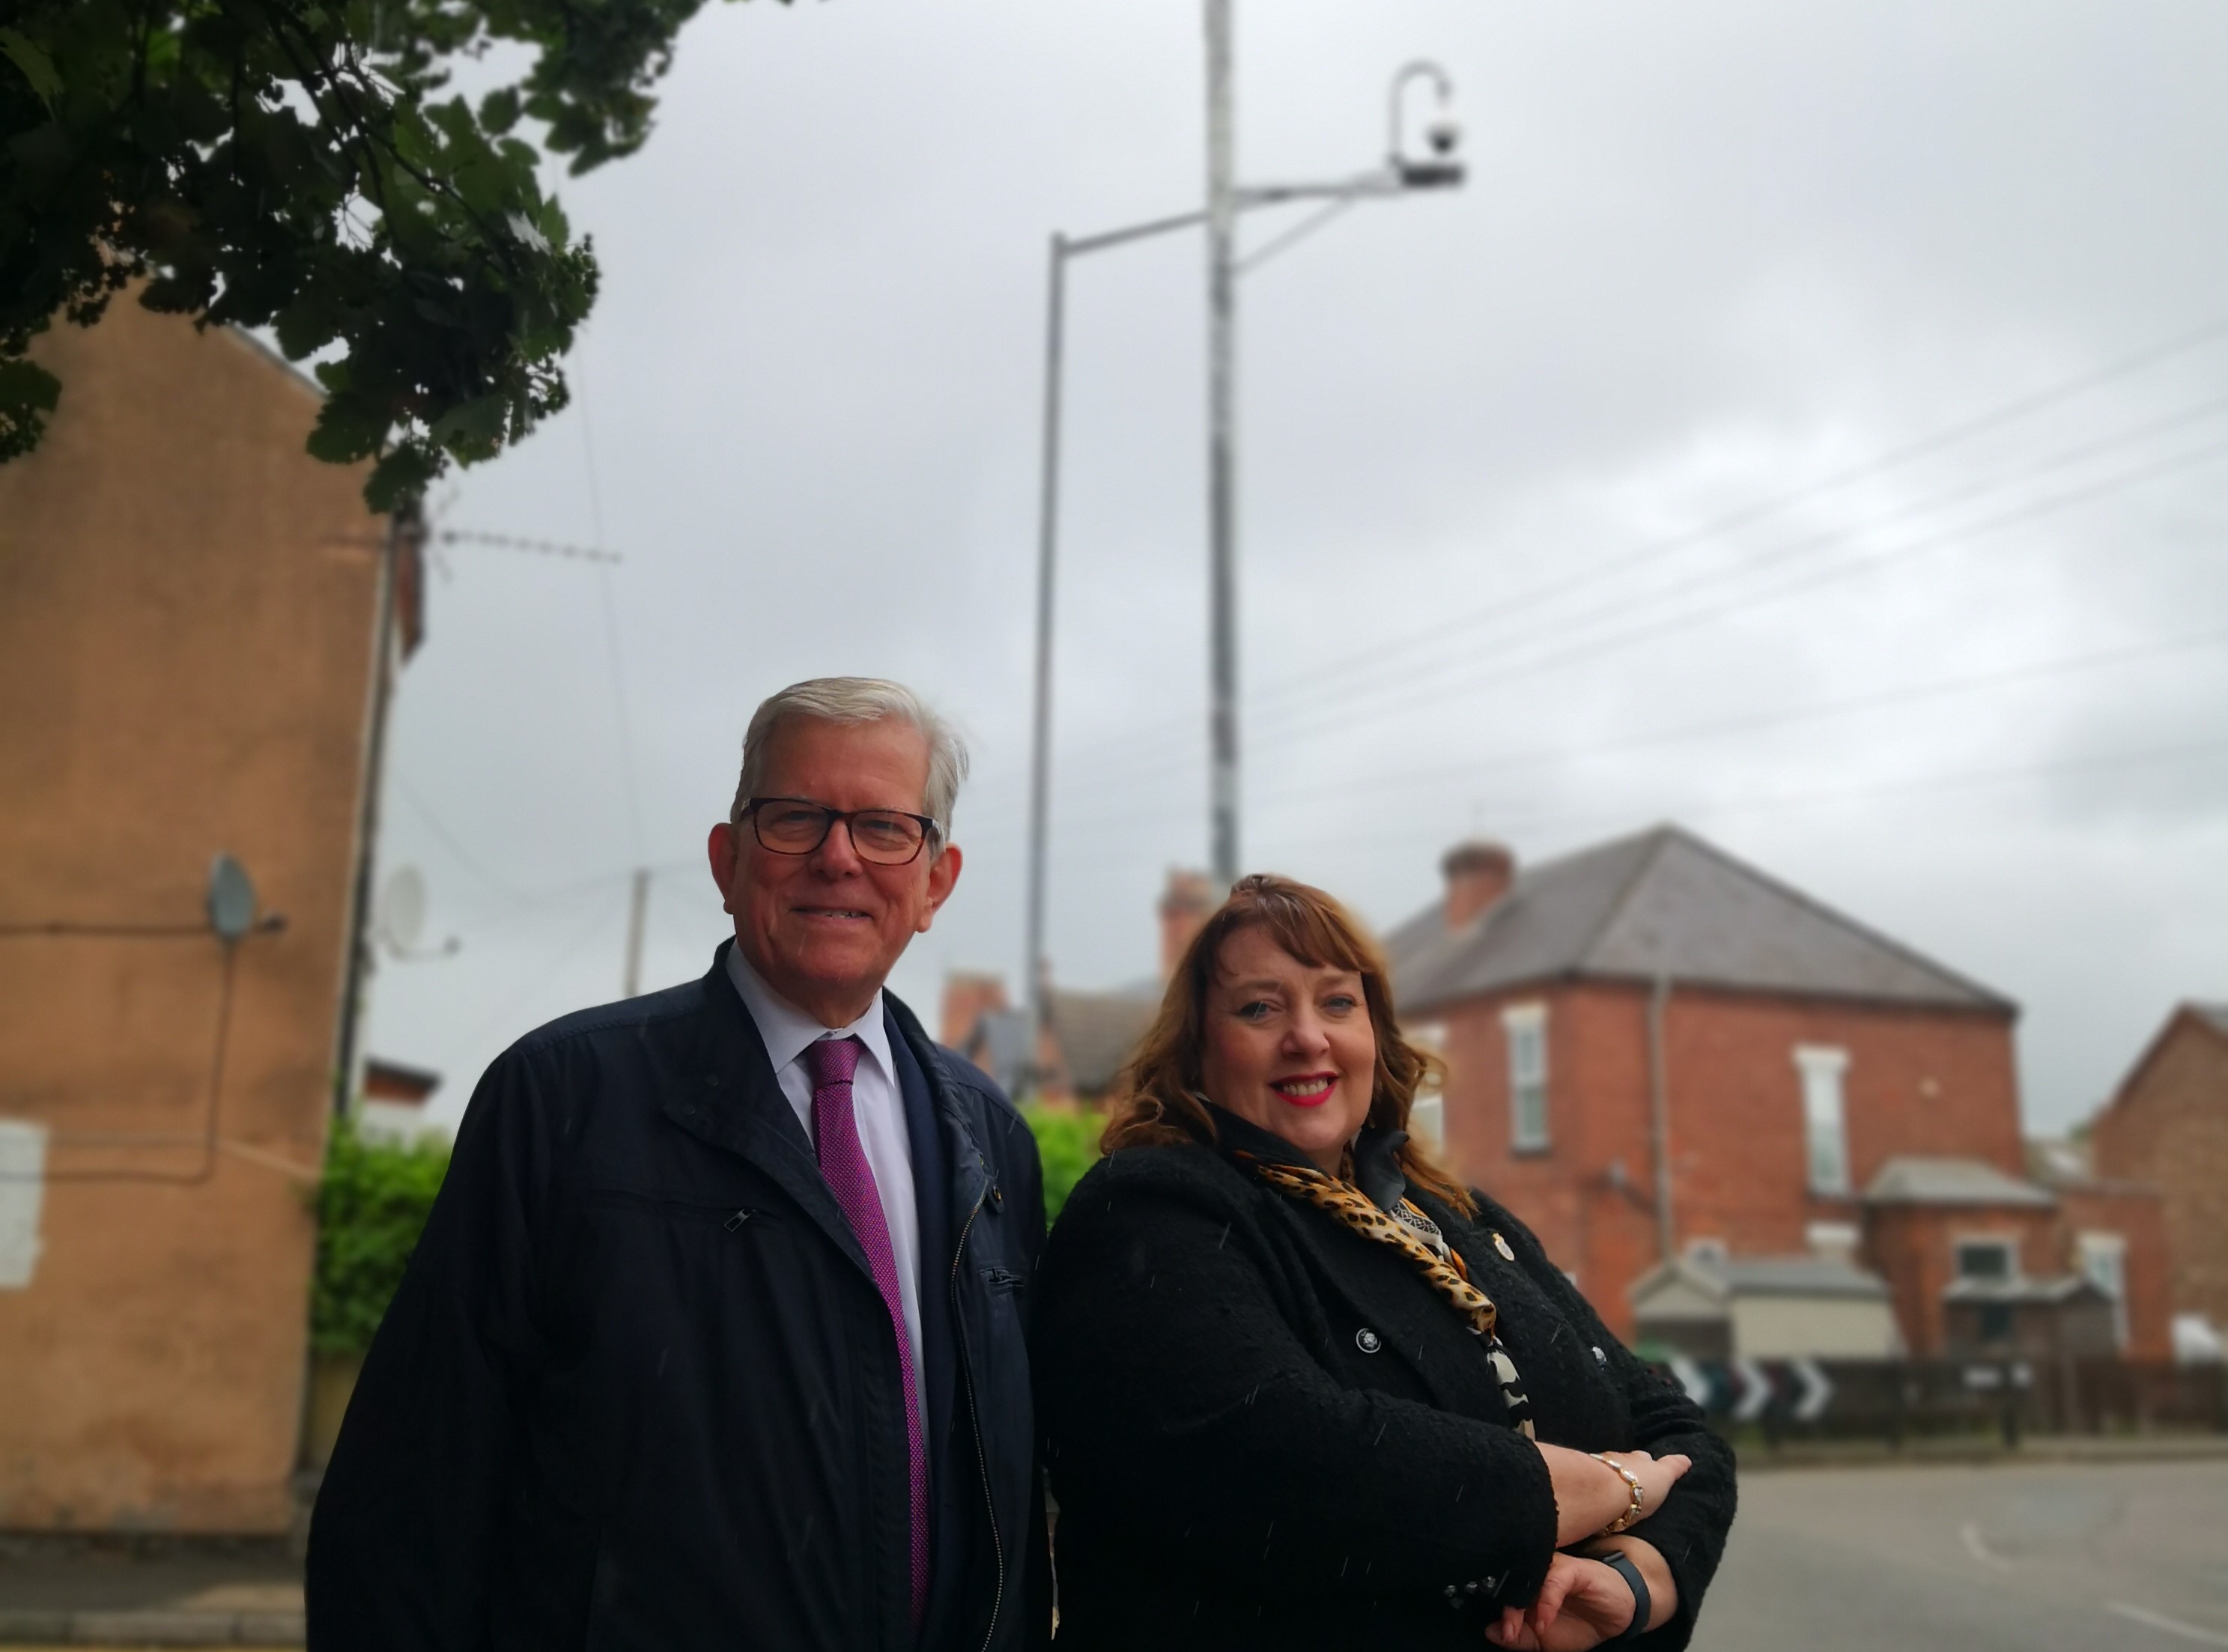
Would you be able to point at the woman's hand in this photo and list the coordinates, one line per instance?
(1590, 1495)
(1581, 1604)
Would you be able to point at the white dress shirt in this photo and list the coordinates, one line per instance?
(876, 1104)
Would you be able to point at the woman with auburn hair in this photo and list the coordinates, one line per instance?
(1300, 1389)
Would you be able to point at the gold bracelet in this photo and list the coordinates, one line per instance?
(1639, 1497)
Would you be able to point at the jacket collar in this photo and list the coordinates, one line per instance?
(735, 1104)
(1376, 1170)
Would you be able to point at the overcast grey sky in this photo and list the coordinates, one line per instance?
(1714, 261)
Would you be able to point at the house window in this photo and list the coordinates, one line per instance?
(2104, 1260)
(1995, 1324)
(1987, 1259)
(1526, 1027)
(1427, 1112)
(1825, 1137)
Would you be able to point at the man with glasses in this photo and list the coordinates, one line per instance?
(715, 1336)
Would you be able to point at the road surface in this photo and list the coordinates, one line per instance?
(2029, 1557)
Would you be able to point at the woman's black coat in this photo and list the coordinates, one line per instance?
(1266, 1431)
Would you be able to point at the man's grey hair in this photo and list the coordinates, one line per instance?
(857, 700)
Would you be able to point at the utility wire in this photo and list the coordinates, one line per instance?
(1949, 780)
(623, 723)
(1372, 664)
(1949, 436)
(1904, 695)
(1501, 668)
(465, 858)
(1394, 695)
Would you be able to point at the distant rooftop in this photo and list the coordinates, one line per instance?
(1664, 902)
(1098, 1031)
(2020, 1290)
(1915, 1180)
(1769, 1276)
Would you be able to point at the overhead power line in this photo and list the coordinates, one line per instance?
(1374, 664)
(2003, 414)
(1608, 634)
(1911, 694)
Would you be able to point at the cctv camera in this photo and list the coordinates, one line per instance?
(1445, 134)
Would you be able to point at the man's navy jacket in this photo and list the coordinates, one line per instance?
(638, 1389)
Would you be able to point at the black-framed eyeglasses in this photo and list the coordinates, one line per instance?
(799, 826)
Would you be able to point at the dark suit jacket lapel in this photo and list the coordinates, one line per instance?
(736, 1103)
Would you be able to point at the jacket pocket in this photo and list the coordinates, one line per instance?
(726, 1213)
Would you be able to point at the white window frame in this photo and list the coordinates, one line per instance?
(2110, 1251)
(1960, 1243)
(1822, 1070)
(1524, 1028)
(1427, 1112)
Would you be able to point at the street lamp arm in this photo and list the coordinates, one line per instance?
(1075, 246)
(1378, 181)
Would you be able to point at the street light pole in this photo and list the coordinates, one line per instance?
(1221, 453)
(1225, 200)
(1040, 729)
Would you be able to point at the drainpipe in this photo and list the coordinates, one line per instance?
(1659, 1109)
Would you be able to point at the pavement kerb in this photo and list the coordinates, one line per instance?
(159, 1628)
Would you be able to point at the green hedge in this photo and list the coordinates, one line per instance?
(1068, 1145)
(371, 1207)
(375, 1197)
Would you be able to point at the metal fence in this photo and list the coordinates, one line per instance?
(1901, 1400)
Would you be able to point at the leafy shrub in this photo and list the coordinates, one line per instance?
(371, 1207)
(1067, 1142)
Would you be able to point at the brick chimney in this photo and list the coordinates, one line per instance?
(967, 999)
(1478, 873)
(1184, 912)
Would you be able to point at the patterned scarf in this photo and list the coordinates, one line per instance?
(1417, 1237)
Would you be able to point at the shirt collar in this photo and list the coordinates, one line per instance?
(787, 1030)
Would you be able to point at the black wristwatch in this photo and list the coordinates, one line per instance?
(1621, 1563)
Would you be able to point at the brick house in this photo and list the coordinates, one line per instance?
(2167, 1125)
(189, 611)
(1658, 1055)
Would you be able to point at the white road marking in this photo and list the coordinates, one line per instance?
(1981, 1551)
(2165, 1625)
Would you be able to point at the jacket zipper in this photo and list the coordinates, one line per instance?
(975, 1417)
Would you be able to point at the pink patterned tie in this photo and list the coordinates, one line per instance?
(831, 1062)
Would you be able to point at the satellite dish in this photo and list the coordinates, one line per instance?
(402, 916)
(231, 900)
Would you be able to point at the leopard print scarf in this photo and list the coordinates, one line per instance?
(1447, 1275)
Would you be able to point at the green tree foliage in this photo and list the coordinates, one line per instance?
(302, 165)
(1067, 1144)
(372, 1206)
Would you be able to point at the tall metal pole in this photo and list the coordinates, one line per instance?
(405, 532)
(1221, 453)
(638, 916)
(1041, 716)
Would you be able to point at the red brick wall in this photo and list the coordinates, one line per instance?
(2168, 1127)
(1918, 1082)
(1913, 1247)
(2137, 1214)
